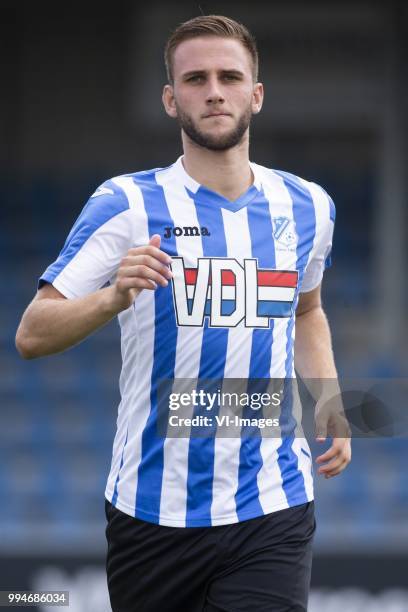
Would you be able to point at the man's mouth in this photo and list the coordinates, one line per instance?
(217, 115)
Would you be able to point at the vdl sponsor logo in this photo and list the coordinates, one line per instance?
(228, 292)
(185, 231)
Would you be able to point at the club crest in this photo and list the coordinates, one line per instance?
(284, 231)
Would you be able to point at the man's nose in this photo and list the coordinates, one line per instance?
(214, 93)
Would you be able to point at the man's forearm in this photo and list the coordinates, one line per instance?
(53, 325)
(314, 361)
(313, 348)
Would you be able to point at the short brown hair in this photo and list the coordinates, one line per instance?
(210, 25)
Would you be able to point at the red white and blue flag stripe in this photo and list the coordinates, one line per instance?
(276, 291)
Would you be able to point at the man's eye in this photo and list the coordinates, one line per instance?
(195, 78)
(230, 77)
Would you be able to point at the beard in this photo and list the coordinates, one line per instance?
(215, 143)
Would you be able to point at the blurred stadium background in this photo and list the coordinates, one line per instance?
(80, 103)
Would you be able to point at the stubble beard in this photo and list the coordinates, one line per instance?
(215, 143)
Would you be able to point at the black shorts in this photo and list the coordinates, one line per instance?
(261, 564)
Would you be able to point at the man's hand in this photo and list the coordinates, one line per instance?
(331, 420)
(336, 458)
(143, 267)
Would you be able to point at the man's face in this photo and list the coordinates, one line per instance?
(213, 96)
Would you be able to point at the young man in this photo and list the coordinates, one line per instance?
(207, 261)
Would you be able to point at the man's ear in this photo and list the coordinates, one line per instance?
(169, 101)
(257, 98)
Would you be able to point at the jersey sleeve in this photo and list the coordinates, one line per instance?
(97, 242)
(320, 256)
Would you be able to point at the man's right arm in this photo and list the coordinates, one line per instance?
(52, 323)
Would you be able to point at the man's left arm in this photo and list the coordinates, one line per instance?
(314, 360)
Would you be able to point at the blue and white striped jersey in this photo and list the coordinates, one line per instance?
(229, 312)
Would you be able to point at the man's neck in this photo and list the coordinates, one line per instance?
(225, 172)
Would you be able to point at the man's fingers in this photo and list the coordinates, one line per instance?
(336, 458)
(150, 249)
(332, 465)
(134, 282)
(142, 271)
(329, 454)
(155, 240)
(143, 267)
(333, 468)
(338, 446)
(133, 261)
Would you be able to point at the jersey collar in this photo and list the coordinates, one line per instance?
(203, 194)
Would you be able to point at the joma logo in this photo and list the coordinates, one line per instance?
(185, 231)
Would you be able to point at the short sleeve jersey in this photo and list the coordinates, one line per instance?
(228, 312)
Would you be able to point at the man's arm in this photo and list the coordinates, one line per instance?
(313, 348)
(52, 323)
(314, 360)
